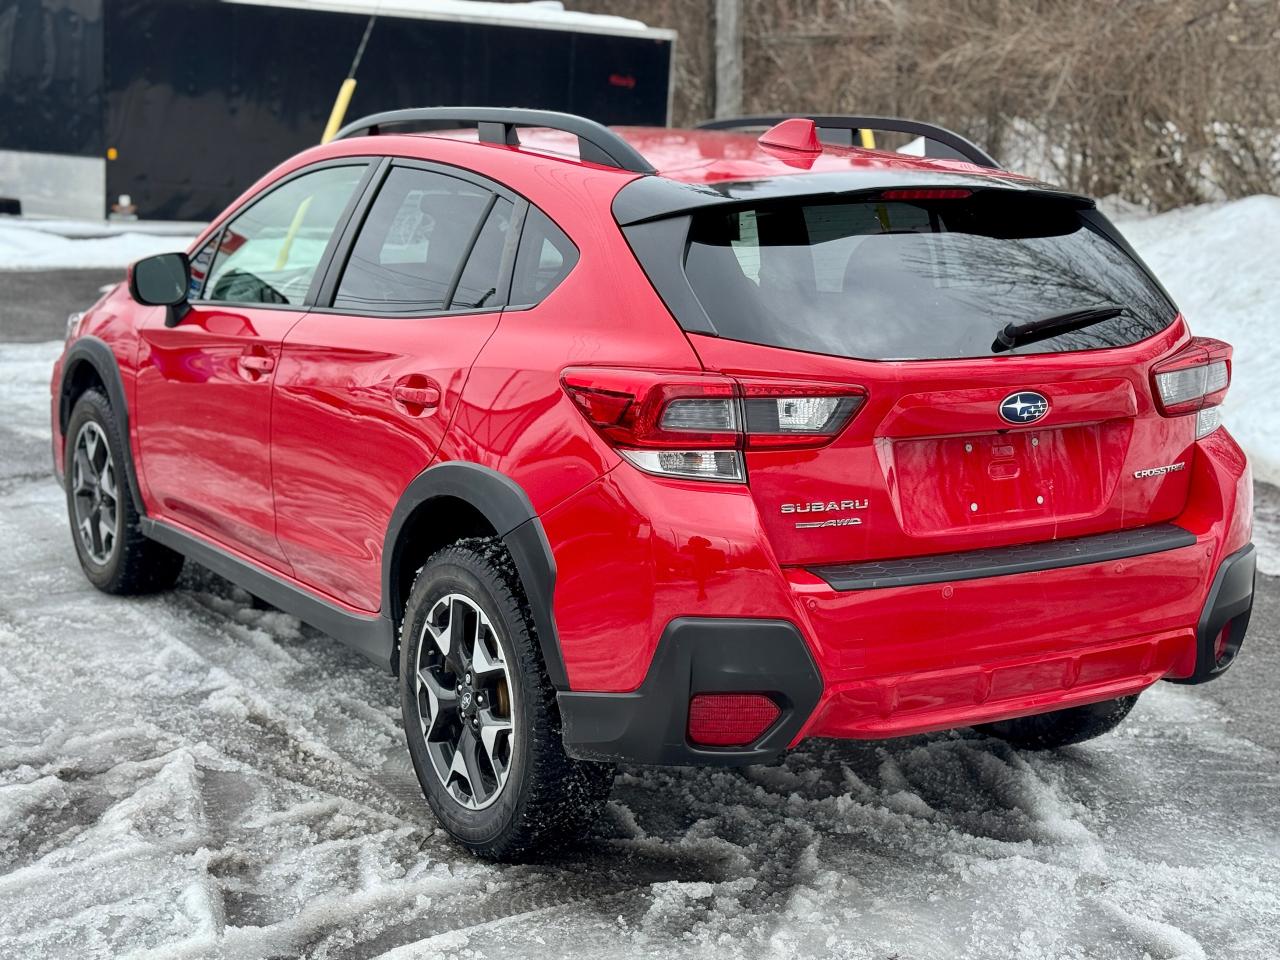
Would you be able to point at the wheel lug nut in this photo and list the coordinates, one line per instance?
(467, 678)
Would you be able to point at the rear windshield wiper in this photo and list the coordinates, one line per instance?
(1029, 331)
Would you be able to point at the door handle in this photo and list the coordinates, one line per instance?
(255, 363)
(417, 396)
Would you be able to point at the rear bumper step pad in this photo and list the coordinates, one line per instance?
(1005, 561)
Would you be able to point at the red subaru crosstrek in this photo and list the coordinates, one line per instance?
(670, 446)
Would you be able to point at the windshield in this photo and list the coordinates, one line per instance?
(919, 279)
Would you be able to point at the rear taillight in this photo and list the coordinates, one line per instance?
(730, 719)
(697, 426)
(1194, 381)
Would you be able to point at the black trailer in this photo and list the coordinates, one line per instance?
(181, 104)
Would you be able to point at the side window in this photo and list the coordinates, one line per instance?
(270, 252)
(478, 285)
(545, 258)
(412, 243)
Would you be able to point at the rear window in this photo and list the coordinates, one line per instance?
(915, 280)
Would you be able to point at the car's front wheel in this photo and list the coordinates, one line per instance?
(1061, 728)
(480, 715)
(115, 555)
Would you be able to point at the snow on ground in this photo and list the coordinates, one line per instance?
(45, 244)
(186, 776)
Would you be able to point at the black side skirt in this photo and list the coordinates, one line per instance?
(373, 636)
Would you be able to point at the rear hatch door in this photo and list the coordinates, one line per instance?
(964, 441)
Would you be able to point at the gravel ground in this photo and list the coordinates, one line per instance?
(186, 776)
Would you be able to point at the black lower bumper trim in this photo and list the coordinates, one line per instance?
(1229, 605)
(697, 655)
(1003, 561)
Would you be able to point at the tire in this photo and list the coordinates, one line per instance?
(105, 526)
(1061, 728)
(528, 795)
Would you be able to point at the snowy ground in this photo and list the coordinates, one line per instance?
(33, 244)
(185, 776)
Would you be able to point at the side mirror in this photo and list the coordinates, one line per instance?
(162, 281)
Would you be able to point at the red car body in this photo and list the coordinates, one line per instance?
(285, 442)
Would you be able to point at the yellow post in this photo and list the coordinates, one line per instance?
(336, 116)
(868, 138)
(339, 111)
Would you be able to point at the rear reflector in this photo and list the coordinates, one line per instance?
(730, 719)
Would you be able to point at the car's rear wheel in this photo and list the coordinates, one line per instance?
(115, 555)
(480, 715)
(1061, 728)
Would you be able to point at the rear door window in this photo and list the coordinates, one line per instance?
(418, 232)
(920, 279)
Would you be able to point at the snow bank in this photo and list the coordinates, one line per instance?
(40, 245)
(1221, 263)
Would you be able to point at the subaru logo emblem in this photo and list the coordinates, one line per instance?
(1026, 406)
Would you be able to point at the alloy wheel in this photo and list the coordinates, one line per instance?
(95, 493)
(465, 703)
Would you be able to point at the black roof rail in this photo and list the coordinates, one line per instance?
(962, 148)
(596, 142)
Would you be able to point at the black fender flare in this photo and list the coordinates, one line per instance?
(98, 355)
(506, 506)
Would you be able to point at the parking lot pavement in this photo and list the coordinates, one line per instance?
(34, 303)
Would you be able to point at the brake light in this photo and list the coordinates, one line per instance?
(697, 425)
(730, 719)
(927, 193)
(1194, 380)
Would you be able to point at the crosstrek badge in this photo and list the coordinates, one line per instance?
(1160, 471)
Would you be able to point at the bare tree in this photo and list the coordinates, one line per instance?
(1160, 102)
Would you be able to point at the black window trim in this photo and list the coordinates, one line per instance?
(371, 164)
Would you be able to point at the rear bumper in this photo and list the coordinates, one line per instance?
(904, 656)
(697, 655)
(1225, 617)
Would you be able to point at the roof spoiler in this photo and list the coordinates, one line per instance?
(655, 198)
(596, 142)
(955, 147)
